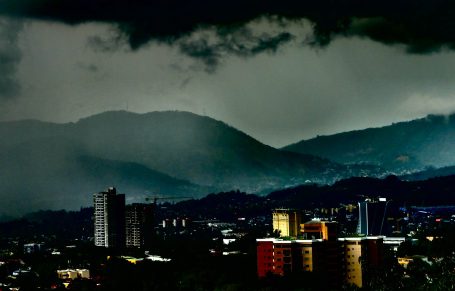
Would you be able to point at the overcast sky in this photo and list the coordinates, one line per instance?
(58, 72)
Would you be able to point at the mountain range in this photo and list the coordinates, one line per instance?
(53, 166)
(401, 147)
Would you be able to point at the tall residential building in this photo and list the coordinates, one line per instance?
(373, 217)
(138, 219)
(109, 208)
(286, 222)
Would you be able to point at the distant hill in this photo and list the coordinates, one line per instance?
(195, 148)
(50, 166)
(431, 192)
(400, 147)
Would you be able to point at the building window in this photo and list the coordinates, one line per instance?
(287, 267)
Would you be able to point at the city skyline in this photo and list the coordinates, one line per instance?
(227, 145)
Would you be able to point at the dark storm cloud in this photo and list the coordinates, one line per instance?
(242, 43)
(423, 26)
(10, 56)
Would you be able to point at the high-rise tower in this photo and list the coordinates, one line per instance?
(139, 227)
(109, 208)
(372, 217)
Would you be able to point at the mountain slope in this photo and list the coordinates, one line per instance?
(55, 173)
(192, 147)
(402, 146)
(59, 165)
(168, 152)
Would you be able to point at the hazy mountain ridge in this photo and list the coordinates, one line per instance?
(56, 173)
(400, 147)
(195, 148)
(142, 153)
(431, 192)
(192, 147)
(58, 165)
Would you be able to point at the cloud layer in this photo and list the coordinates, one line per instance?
(422, 26)
(299, 92)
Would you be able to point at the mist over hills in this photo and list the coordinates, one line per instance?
(400, 147)
(195, 148)
(53, 166)
(50, 166)
(55, 173)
